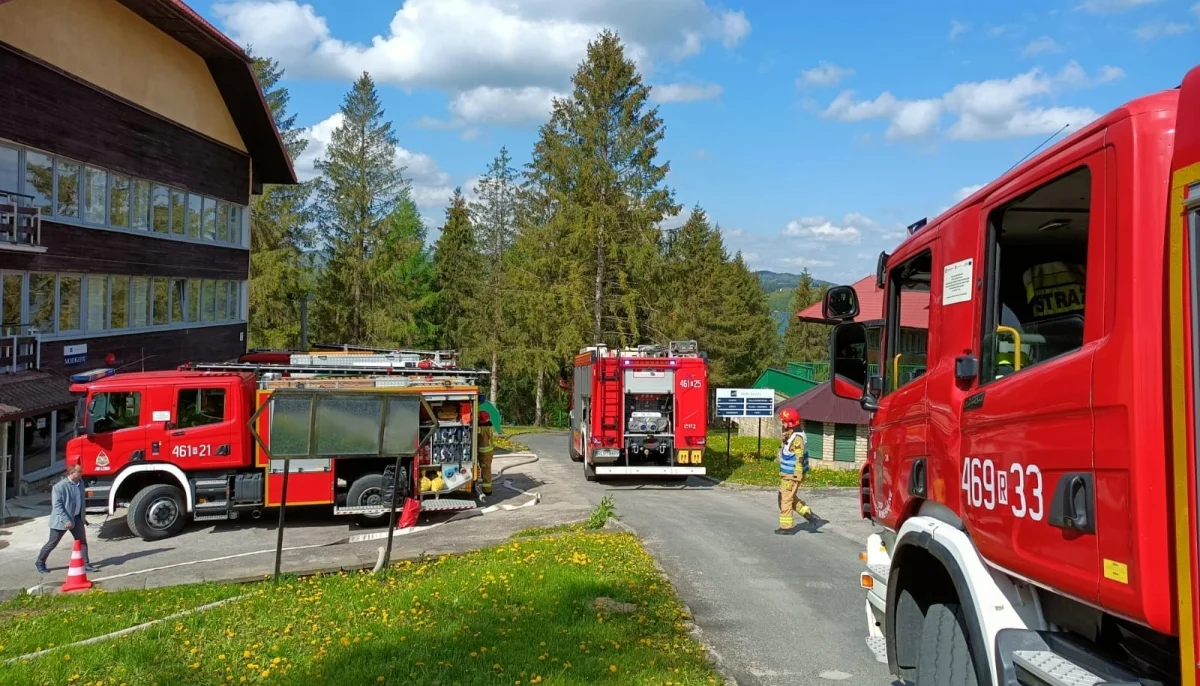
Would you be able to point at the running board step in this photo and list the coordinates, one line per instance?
(878, 647)
(447, 505)
(222, 516)
(1053, 670)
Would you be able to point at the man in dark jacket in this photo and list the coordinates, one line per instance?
(66, 514)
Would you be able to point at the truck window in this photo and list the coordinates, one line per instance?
(201, 406)
(1037, 276)
(907, 329)
(114, 411)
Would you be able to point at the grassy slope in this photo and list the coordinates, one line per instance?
(745, 467)
(516, 614)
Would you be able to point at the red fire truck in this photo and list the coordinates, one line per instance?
(173, 444)
(640, 412)
(1033, 483)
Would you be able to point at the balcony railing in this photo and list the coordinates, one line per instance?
(19, 353)
(20, 223)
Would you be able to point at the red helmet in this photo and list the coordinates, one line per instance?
(484, 417)
(789, 417)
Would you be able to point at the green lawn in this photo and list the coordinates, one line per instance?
(520, 614)
(743, 466)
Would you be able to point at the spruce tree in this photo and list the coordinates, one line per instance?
(749, 334)
(805, 341)
(358, 192)
(495, 218)
(689, 299)
(456, 274)
(403, 279)
(280, 273)
(596, 164)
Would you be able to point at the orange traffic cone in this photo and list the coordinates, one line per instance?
(76, 576)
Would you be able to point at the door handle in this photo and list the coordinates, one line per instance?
(1074, 505)
(176, 433)
(222, 451)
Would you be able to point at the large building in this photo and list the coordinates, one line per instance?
(132, 137)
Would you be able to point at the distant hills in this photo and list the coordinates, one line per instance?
(779, 287)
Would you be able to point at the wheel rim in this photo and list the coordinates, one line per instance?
(372, 497)
(162, 513)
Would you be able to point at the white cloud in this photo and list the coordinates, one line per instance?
(431, 186)
(1159, 29)
(1041, 46)
(996, 108)
(509, 106)
(1196, 10)
(821, 229)
(458, 45)
(824, 74)
(958, 28)
(685, 92)
(966, 192)
(1111, 6)
(1109, 74)
(806, 262)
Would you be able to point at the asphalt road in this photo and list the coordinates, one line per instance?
(775, 610)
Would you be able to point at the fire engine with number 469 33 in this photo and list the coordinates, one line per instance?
(1031, 468)
(181, 444)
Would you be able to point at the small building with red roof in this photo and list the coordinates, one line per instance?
(836, 427)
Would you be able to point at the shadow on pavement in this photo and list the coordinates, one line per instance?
(118, 560)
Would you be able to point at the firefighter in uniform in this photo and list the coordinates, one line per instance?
(485, 451)
(793, 467)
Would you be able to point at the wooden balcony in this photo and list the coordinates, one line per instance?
(20, 223)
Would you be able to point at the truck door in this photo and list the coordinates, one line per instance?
(900, 428)
(118, 429)
(1183, 303)
(1027, 487)
(202, 430)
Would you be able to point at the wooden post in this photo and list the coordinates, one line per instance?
(287, 463)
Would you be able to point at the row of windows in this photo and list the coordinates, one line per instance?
(64, 190)
(122, 409)
(53, 304)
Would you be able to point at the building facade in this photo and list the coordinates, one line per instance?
(132, 137)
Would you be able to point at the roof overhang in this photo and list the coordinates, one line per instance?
(232, 70)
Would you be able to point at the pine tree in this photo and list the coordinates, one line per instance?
(495, 220)
(749, 334)
(595, 163)
(359, 191)
(805, 341)
(280, 274)
(456, 273)
(403, 277)
(689, 299)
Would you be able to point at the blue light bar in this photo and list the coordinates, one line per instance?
(92, 375)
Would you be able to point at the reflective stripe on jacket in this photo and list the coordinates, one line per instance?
(1055, 288)
(485, 439)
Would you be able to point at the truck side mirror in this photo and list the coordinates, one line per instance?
(840, 303)
(848, 369)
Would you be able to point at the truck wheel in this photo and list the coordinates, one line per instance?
(575, 456)
(945, 656)
(157, 512)
(368, 490)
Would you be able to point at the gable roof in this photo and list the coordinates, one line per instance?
(231, 69)
(819, 404)
(914, 307)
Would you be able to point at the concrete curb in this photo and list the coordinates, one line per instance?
(694, 630)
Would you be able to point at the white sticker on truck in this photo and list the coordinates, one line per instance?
(956, 282)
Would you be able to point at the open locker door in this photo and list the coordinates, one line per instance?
(1184, 298)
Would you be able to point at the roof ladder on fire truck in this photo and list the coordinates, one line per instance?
(610, 395)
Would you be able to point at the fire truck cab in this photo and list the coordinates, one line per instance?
(1033, 487)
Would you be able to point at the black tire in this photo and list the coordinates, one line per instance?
(368, 490)
(945, 655)
(575, 456)
(157, 512)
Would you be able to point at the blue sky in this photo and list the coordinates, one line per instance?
(811, 132)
